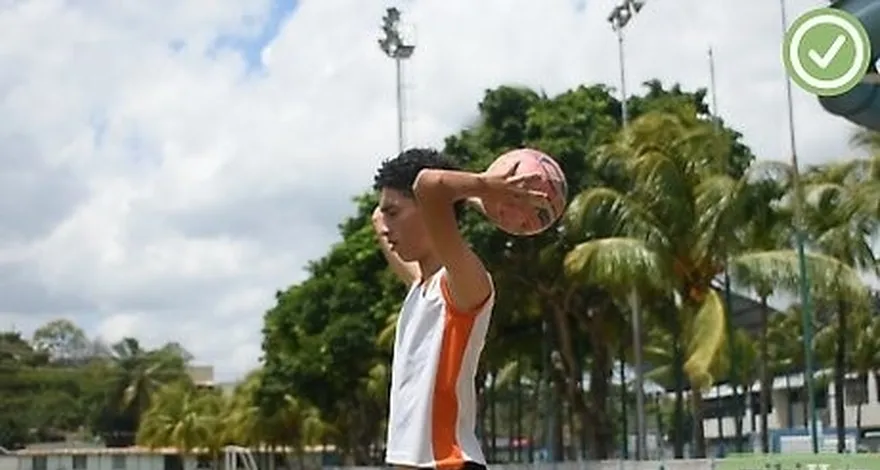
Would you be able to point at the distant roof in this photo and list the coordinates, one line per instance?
(746, 313)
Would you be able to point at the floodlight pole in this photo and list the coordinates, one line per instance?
(395, 48)
(620, 16)
(398, 66)
(806, 304)
(716, 119)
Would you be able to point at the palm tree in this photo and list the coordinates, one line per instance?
(765, 225)
(134, 374)
(650, 224)
(786, 353)
(377, 384)
(294, 424)
(741, 372)
(862, 355)
(180, 417)
(865, 172)
(866, 139)
(669, 225)
(297, 425)
(865, 354)
(246, 424)
(841, 226)
(215, 408)
(516, 380)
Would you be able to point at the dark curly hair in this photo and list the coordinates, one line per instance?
(399, 173)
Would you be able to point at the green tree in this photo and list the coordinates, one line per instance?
(190, 419)
(839, 216)
(532, 290)
(62, 340)
(673, 224)
(294, 424)
(15, 350)
(40, 401)
(786, 351)
(133, 375)
(17, 359)
(320, 338)
(864, 355)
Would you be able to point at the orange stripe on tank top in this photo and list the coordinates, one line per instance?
(457, 330)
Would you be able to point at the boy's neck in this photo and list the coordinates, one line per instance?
(428, 267)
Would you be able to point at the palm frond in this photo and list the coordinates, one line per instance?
(611, 213)
(619, 264)
(706, 339)
(508, 373)
(827, 277)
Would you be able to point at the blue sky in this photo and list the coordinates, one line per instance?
(251, 46)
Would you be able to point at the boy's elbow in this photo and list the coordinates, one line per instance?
(428, 184)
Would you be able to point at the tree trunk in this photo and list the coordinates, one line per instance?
(858, 423)
(557, 418)
(573, 443)
(482, 405)
(493, 415)
(571, 365)
(789, 423)
(519, 408)
(766, 380)
(678, 378)
(699, 434)
(863, 381)
(805, 402)
(512, 432)
(534, 421)
(361, 450)
(720, 406)
(739, 405)
(624, 416)
(876, 381)
(596, 421)
(840, 377)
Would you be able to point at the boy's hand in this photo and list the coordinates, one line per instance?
(377, 219)
(508, 188)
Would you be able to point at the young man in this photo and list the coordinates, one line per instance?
(444, 319)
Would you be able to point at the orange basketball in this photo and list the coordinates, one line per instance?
(517, 220)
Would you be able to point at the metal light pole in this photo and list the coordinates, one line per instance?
(806, 306)
(619, 18)
(549, 400)
(393, 46)
(716, 118)
(732, 347)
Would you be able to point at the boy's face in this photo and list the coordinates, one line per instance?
(403, 227)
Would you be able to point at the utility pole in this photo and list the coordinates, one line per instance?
(806, 304)
(393, 45)
(620, 16)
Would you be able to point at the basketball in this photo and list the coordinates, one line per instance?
(515, 219)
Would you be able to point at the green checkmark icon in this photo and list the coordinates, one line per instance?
(826, 51)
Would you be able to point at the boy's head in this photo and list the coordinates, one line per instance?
(403, 225)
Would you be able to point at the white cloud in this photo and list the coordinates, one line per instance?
(120, 325)
(163, 190)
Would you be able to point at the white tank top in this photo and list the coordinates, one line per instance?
(433, 405)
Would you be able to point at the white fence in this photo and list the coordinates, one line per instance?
(693, 464)
(750, 462)
(8, 462)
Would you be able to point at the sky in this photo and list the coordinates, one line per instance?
(166, 166)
